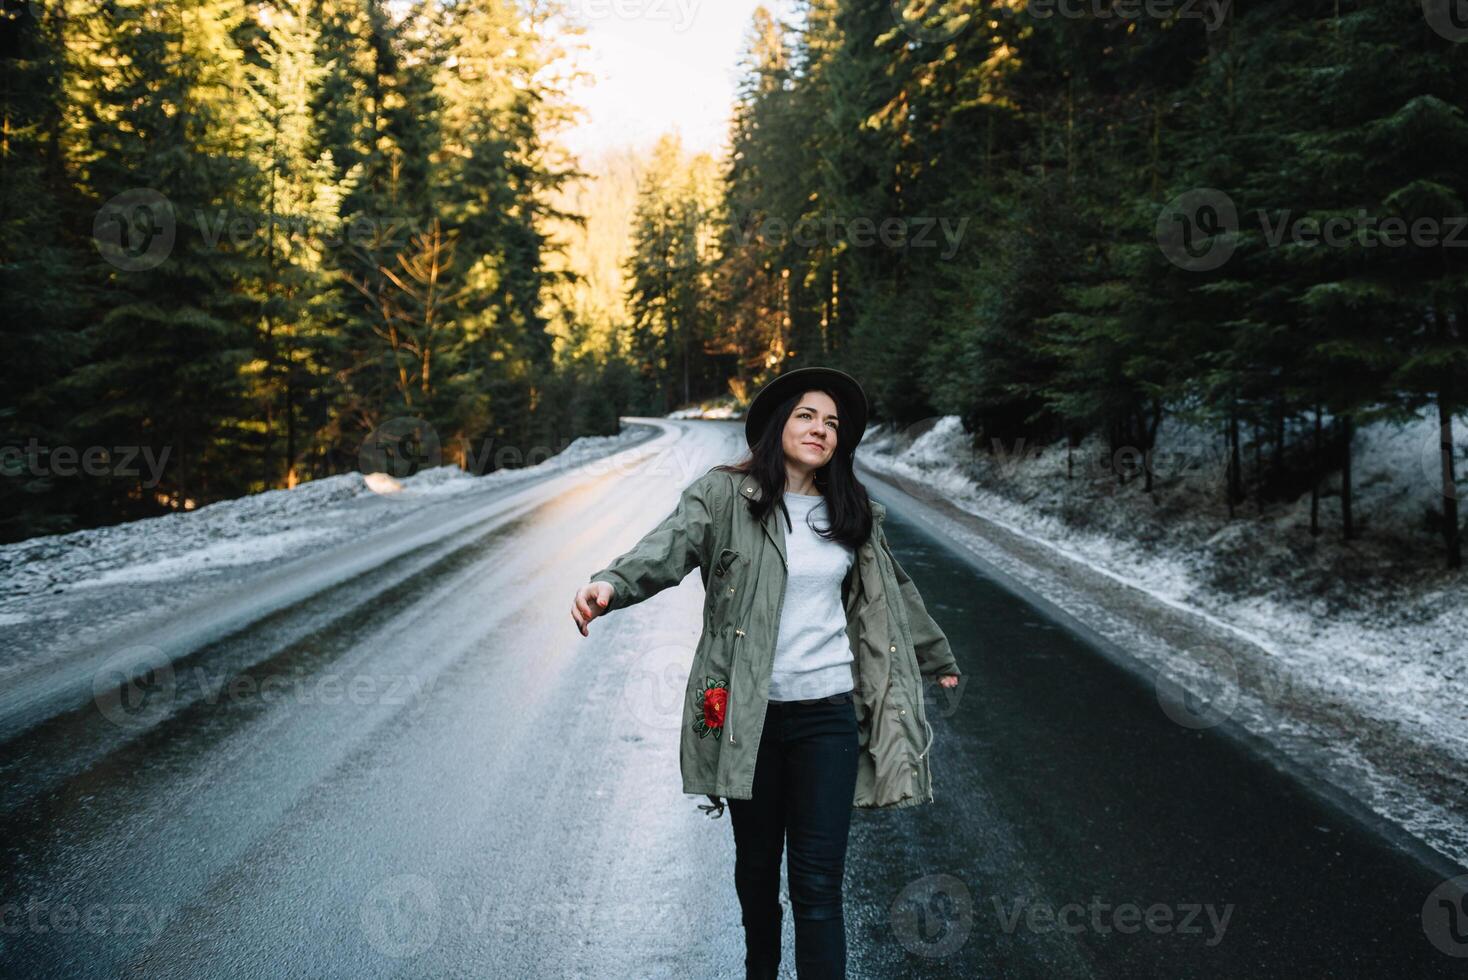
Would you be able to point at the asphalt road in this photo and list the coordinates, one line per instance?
(422, 770)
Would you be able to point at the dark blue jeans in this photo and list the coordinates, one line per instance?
(804, 782)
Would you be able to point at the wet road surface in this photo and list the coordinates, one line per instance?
(424, 770)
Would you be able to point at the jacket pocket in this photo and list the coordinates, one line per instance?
(724, 580)
(727, 557)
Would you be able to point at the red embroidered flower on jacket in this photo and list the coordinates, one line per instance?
(712, 700)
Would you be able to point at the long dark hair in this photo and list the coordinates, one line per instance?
(848, 508)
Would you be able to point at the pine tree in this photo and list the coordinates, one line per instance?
(301, 197)
(762, 202)
(41, 260)
(668, 272)
(167, 167)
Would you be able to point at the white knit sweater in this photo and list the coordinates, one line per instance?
(812, 654)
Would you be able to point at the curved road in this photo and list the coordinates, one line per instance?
(421, 769)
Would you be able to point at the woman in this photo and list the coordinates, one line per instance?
(805, 699)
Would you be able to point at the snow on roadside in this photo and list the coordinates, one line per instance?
(1377, 624)
(721, 409)
(247, 530)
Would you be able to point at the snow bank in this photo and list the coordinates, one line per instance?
(1374, 629)
(721, 410)
(247, 530)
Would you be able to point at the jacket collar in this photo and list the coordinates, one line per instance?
(749, 487)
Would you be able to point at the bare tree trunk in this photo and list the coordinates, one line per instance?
(291, 477)
(1280, 437)
(1149, 458)
(1235, 489)
(1315, 482)
(1451, 537)
(1258, 470)
(1348, 527)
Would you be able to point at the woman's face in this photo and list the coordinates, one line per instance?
(810, 431)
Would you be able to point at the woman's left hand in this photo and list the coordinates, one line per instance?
(948, 680)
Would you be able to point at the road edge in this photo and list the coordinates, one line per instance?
(1302, 770)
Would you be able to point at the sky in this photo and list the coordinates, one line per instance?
(660, 66)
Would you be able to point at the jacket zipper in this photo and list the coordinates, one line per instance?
(779, 608)
(729, 698)
(734, 660)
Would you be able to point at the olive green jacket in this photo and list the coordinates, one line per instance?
(894, 640)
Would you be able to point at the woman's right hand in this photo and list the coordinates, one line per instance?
(590, 602)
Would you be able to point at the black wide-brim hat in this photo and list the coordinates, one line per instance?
(851, 402)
